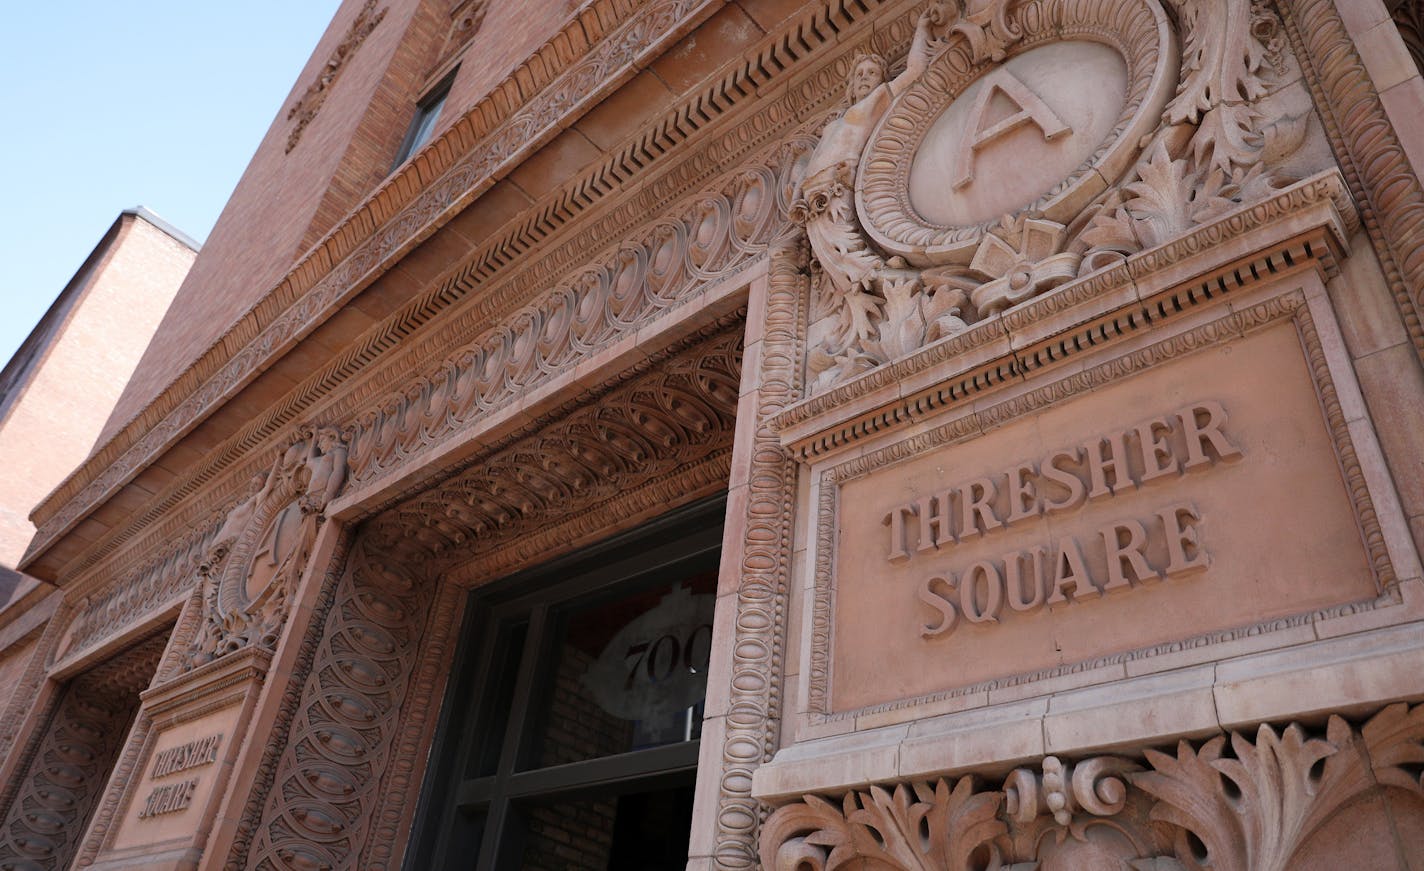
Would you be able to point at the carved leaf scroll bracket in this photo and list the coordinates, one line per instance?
(1228, 803)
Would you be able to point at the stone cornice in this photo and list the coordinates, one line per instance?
(491, 283)
(569, 74)
(1266, 237)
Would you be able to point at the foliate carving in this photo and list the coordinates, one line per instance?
(257, 555)
(311, 100)
(1253, 806)
(910, 248)
(661, 422)
(710, 237)
(920, 826)
(65, 778)
(1227, 803)
(1394, 740)
(342, 736)
(140, 592)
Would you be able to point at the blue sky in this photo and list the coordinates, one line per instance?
(110, 105)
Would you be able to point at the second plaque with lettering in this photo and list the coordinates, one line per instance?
(1197, 501)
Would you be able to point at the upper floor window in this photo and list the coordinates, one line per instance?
(427, 112)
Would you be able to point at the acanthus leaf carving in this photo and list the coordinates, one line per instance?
(1223, 804)
(1394, 739)
(1253, 806)
(919, 826)
(1199, 135)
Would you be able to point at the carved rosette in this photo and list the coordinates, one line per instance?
(257, 555)
(1229, 803)
(1028, 144)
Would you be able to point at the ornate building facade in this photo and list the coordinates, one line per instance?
(802, 434)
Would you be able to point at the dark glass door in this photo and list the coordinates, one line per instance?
(570, 732)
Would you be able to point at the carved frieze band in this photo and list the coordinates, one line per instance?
(670, 418)
(341, 737)
(641, 34)
(755, 701)
(143, 591)
(1277, 802)
(1288, 306)
(1368, 150)
(714, 237)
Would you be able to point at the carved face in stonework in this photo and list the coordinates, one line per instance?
(867, 75)
(326, 439)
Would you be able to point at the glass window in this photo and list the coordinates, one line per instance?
(427, 112)
(629, 670)
(570, 731)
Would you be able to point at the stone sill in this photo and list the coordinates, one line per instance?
(1349, 675)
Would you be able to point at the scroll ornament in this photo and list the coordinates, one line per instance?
(1203, 132)
(1224, 804)
(257, 556)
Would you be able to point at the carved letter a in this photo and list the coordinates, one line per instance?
(1031, 109)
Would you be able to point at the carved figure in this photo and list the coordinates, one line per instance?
(1219, 125)
(260, 549)
(865, 288)
(826, 203)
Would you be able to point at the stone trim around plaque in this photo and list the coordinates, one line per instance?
(1208, 483)
(169, 797)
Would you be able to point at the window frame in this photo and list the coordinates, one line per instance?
(427, 108)
(686, 538)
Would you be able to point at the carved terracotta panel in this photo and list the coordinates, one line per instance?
(1287, 799)
(64, 780)
(1148, 511)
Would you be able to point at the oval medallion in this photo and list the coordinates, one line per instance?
(1044, 129)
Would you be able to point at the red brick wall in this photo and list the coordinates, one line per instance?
(285, 202)
(510, 33)
(257, 236)
(53, 424)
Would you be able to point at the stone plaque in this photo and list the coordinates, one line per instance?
(1143, 513)
(177, 780)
